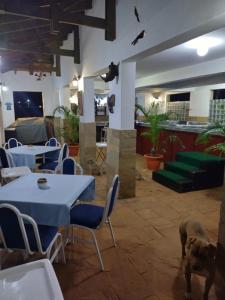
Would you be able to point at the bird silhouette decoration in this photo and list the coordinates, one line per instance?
(136, 14)
(113, 72)
(138, 37)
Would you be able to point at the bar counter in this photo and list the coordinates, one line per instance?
(186, 134)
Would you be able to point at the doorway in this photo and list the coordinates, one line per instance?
(28, 104)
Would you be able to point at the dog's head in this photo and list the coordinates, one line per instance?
(200, 255)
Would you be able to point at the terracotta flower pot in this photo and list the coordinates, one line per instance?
(153, 162)
(73, 150)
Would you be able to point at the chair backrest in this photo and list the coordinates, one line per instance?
(12, 229)
(69, 167)
(52, 142)
(4, 158)
(12, 143)
(64, 153)
(10, 160)
(111, 198)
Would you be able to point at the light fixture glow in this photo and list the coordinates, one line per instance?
(202, 51)
(203, 44)
(4, 88)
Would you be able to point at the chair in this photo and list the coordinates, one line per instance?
(92, 217)
(52, 156)
(52, 142)
(6, 159)
(9, 171)
(101, 153)
(20, 232)
(12, 143)
(69, 167)
(55, 165)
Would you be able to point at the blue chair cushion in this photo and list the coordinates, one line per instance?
(86, 215)
(47, 233)
(49, 166)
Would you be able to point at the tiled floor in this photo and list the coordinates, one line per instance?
(146, 264)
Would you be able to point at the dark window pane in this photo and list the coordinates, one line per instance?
(219, 94)
(179, 97)
(28, 104)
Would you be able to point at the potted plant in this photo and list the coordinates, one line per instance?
(70, 129)
(206, 136)
(154, 119)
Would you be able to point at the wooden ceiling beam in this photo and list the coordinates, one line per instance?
(76, 45)
(20, 48)
(57, 66)
(79, 5)
(110, 18)
(75, 19)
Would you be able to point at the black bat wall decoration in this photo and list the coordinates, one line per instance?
(113, 72)
(136, 14)
(140, 36)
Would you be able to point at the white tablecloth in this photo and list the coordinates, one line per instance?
(26, 155)
(51, 206)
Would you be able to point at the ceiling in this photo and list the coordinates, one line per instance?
(179, 56)
(32, 31)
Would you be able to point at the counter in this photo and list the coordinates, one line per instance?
(186, 134)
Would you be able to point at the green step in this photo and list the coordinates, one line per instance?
(200, 159)
(173, 180)
(184, 169)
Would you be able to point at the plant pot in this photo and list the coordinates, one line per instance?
(153, 162)
(73, 150)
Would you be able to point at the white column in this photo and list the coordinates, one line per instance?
(121, 139)
(87, 128)
(86, 85)
(124, 91)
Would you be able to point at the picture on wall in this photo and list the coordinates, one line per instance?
(80, 102)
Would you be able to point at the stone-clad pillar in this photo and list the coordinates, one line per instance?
(87, 128)
(121, 137)
(220, 260)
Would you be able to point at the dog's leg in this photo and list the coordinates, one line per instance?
(208, 284)
(183, 239)
(188, 282)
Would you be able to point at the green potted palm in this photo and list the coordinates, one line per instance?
(154, 119)
(70, 129)
(206, 136)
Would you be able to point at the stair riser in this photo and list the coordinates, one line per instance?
(185, 173)
(176, 186)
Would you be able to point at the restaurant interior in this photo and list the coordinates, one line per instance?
(112, 132)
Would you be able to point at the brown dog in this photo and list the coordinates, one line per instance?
(199, 255)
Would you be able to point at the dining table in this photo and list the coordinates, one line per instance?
(26, 155)
(51, 205)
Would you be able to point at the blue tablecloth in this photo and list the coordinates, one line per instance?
(51, 206)
(26, 155)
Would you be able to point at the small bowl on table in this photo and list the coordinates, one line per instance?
(42, 183)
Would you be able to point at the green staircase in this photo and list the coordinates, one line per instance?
(191, 171)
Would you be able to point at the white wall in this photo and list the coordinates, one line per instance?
(167, 23)
(23, 81)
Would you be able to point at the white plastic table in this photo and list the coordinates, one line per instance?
(26, 155)
(52, 205)
(31, 281)
(15, 172)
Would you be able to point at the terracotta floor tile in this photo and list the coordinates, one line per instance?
(146, 264)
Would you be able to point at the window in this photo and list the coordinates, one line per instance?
(28, 104)
(219, 94)
(179, 97)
